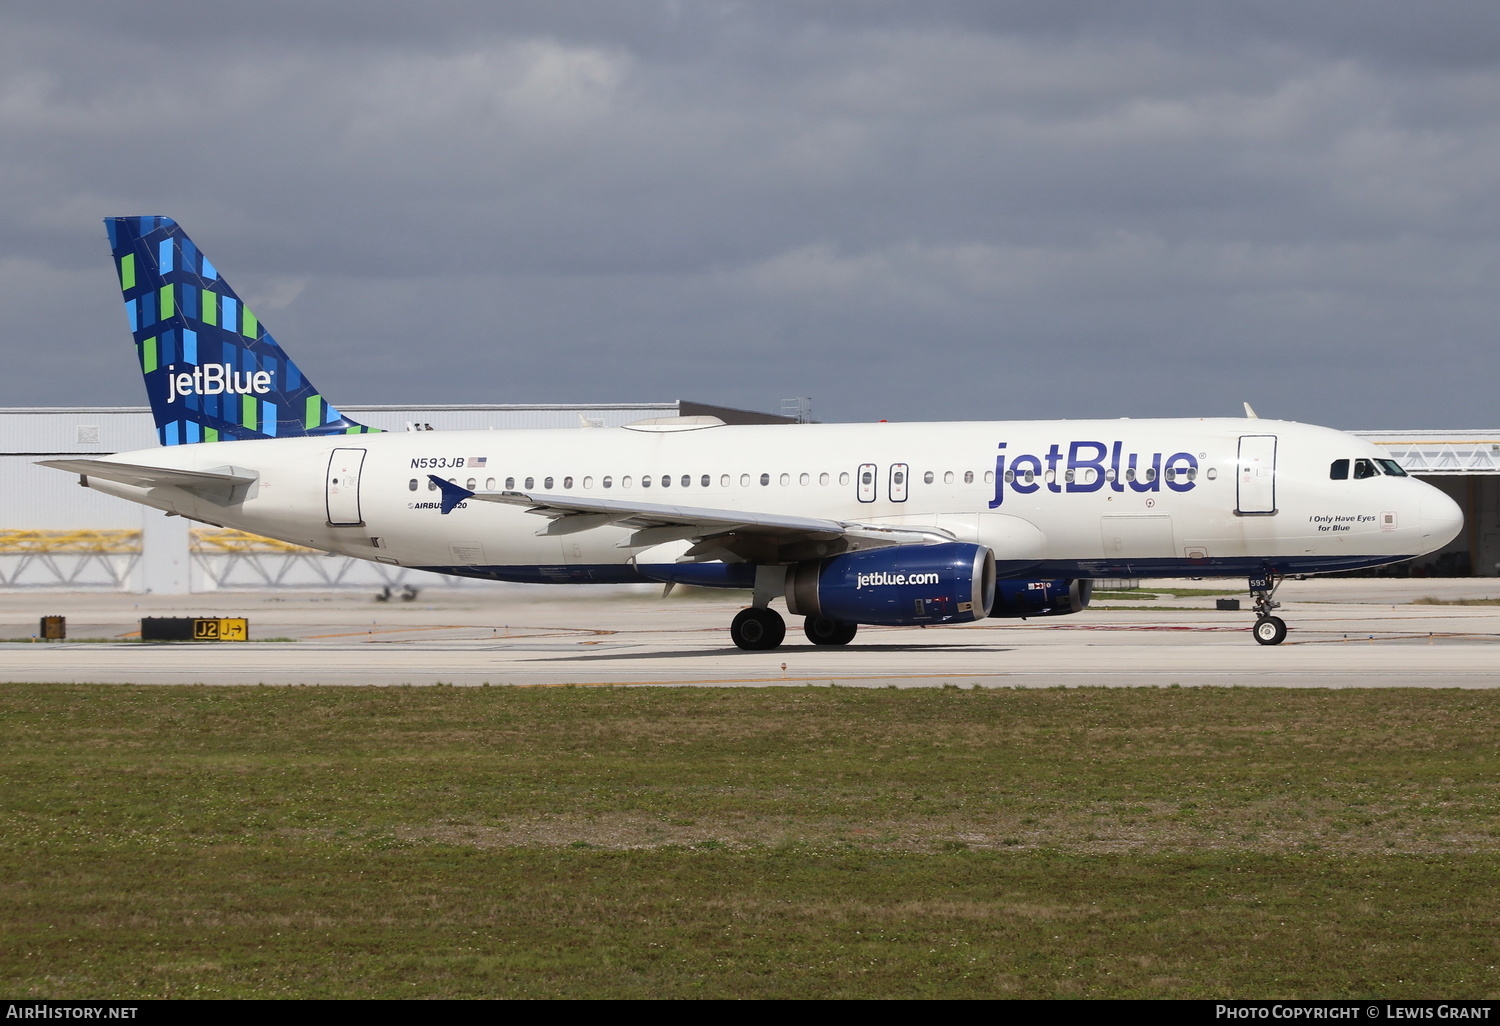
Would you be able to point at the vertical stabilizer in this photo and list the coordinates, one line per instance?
(212, 371)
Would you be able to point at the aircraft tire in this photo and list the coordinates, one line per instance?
(758, 630)
(1270, 630)
(821, 630)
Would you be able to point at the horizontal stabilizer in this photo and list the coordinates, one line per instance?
(214, 483)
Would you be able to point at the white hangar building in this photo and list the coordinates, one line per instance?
(57, 536)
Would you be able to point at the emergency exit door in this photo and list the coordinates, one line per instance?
(343, 487)
(1256, 493)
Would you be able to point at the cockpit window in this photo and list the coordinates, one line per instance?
(1338, 470)
(1364, 469)
(1392, 468)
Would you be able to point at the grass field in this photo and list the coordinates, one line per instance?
(748, 842)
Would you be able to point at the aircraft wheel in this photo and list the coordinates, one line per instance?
(1270, 630)
(821, 630)
(758, 630)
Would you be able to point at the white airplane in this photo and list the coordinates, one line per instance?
(849, 524)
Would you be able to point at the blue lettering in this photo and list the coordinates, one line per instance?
(1180, 478)
(1148, 480)
(999, 478)
(1018, 478)
(1053, 455)
(1104, 459)
(1075, 465)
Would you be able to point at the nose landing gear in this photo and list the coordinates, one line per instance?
(1268, 630)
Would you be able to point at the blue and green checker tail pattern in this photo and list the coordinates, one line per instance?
(212, 372)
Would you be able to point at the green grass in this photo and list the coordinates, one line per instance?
(748, 842)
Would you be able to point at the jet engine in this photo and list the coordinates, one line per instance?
(953, 582)
(1019, 598)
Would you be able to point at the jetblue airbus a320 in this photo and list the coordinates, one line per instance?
(848, 524)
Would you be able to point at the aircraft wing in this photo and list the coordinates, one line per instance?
(717, 533)
(218, 483)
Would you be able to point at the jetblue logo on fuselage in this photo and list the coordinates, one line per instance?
(216, 379)
(1090, 466)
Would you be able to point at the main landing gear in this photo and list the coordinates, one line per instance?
(760, 629)
(1268, 630)
(820, 630)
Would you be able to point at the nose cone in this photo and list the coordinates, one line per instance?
(1441, 519)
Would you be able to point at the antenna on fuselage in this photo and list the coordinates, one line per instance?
(1250, 412)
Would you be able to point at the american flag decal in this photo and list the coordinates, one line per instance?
(478, 461)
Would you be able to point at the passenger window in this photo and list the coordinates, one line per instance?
(687, 479)
(947, 477)
(786, 479)
(608, 481)
(989, 476)
(968, 477)
(927, 478)
(567, 484)
(823, 478)
(489, 484)
(588, 482)
(645, 481)
(625, 481)
(1364, 469)
(765, 479)
(530, 483)
(666, 480)
(547, 484)
(510, 483)
(744, 480)
(471, 484)
(844, 478)
(413, 484)
(1338, 470)
(431, 485)
(704, 481)
(804, 479)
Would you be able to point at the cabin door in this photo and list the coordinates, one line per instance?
(1256, 492)
(343, 487)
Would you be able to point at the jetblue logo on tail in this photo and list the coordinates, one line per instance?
(216, 379)
(212, 372)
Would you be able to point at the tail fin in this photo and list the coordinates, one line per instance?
(212, 372)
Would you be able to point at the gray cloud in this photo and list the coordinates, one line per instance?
(909, 211)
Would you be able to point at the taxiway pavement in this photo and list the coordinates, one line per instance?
(1344, 633)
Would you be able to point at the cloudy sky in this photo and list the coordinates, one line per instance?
(904, 210)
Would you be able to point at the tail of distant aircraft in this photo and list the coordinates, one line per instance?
(212, 371)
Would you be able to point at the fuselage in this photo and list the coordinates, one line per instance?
(1086, 498)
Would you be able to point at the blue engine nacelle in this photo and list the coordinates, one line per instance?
(908, 584)
(1041, 598)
